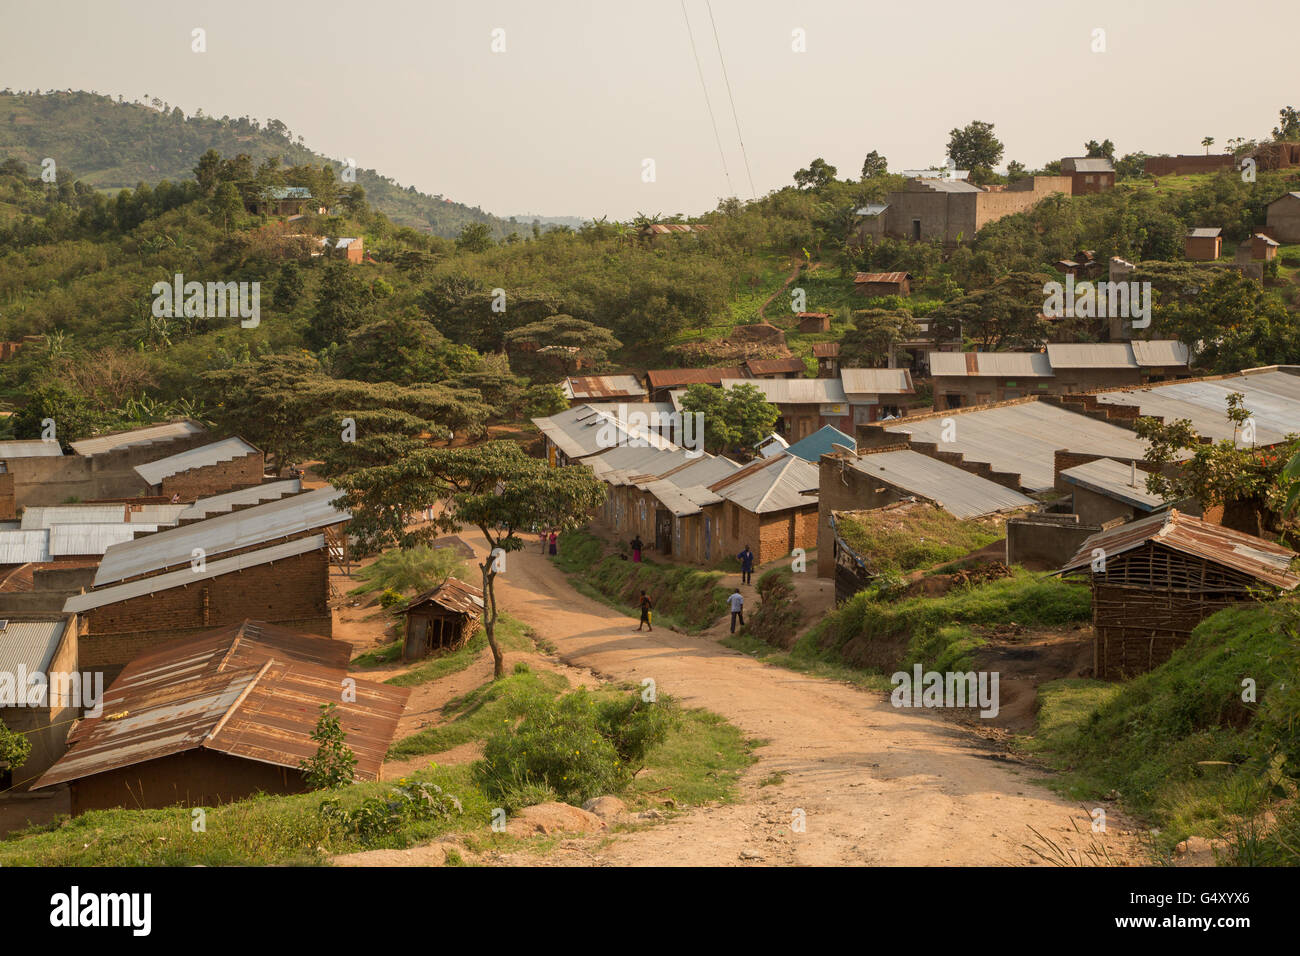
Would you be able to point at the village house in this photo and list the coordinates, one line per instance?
(1161, 576)
(814, 321)
(1262, 248)
(790, 367)
(662, 382)
(1203, 244)
(39, 644)
(963, 379)
(284, 201)
(1276, 155)
(873, 284)
(951, 210)
(876, 393)
(811, 449)
(349, 248)
(769, 505)
(602, 388)
(1283, 218)
(584, 430)
(806, 404)
(221, 716)
(827, 355)
(878, 478)
(1105, 490)
(1088, 174)
(440, 619)
(212, 469)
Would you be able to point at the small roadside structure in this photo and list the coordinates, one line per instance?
(883, 283)
(441, 619)
(1154, 580)
(814, 321)
(1203, 244)
(1262, 247)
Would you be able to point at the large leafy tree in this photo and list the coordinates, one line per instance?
(736, 417)
(494, 487)
(818, 173)
(874, 165)
(592, 342)
(1230, 323)
(974, 147)
(874, 331)
(1006, 315)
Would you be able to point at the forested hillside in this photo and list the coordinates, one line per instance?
(109, 143)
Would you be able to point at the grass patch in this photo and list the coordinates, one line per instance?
(684, 598)
(512, 635)
(1179, 744)
(912, 538)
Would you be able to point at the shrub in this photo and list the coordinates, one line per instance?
(333, 764)
(777, 618)
(390, 598)
(377, 817)
(575, 747)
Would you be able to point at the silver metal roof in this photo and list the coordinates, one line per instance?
(228, 449)
(1023, 438)
(35, 448)
(21, 547)
(220, 534)
(703, 471)
(1087, 164)
(582, 431)
(216, 504)
(682, 501)
(137, 436)
(1273, 399)
(47, 516)
(880, 381)
(175, 579)
(29, 645)
(69, 539)
(1115, 480)
(1009, 364)
(771, 484)
(795, 391)
(1160, 352)
(948, 186)
(1091, 355)
(1203, 232)
(955, 490)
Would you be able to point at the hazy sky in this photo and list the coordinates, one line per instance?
(560, 123)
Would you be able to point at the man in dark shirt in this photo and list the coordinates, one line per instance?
(645, 606)
(746, 559)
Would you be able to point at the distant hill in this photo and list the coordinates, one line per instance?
(112, 144)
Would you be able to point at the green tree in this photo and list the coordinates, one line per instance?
(974, 146)
(874, 331)
(1289, 124)
(592, 342)
(1207, 142)
(342, 304)
(737, 417)
(69, 410)
(410, 570)
(1006, 315)
(818, 173)
(475, 237)
(494, 487)
(15, 748)
(1103, 150)
(874, 165)
(1231, 323)
(333, 765)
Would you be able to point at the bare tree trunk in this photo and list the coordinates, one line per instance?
(490, 618)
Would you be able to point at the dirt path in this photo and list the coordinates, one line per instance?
(877, 785)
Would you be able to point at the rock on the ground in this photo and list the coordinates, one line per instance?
(606, 807)
(553, 817)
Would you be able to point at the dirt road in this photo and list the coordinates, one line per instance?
(876, 785)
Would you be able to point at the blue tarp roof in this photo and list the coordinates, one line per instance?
(819, 443)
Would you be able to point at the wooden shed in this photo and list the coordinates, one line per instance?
(814, 321)
(883, 283)
(443, 618)
(1203, 244)
(1154, 580)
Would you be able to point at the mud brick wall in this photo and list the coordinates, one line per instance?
(216, 479)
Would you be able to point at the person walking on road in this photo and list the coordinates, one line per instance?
(746, 559)
(645, 606)
(554, 548)
(737, 604)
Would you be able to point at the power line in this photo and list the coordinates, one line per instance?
(731, 190)
(752, 190)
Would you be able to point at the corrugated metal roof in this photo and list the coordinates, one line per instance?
(944, 186)
(453, 594)
(83, 539)
(136, 436)
(1091, 355)
(826, 349)
(1114, 479)
(254, 692)
(1009, 364)
(29, 645)
(20, 547)
(1160, 352)
(228, 449)
(880, 381)
(954, 489)
(773, 366)
(602, 386)
(175, 546)
(49, 516)
(1273, 399)
(101, 596)
(673, 377)
(703, 470)
(215, 504)
(871, 209)
(770, 484)
(795, 391)
(1203, 232)
(36, 448)
(1087, 164)
(812, 447)
(1022, 438)
(682, 501)
(622, 466)
(1173, 529)
(583, 430)
(886, 277)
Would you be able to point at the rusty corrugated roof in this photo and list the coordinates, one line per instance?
(251, 690)
(890, 277)
(602, 386)
(773, 366)
(826, 350)
(674, 377)
(1264, 560)
(453, 594)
